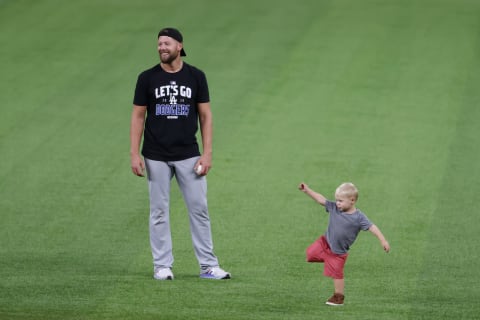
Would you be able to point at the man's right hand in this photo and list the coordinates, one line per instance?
(138, 165)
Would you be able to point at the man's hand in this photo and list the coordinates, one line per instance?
(138, 165)
(206, 162)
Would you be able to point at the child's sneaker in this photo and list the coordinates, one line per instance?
(215, 273)
(163, 274)
(336, 300)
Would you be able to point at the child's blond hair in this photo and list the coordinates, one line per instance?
(347, 189)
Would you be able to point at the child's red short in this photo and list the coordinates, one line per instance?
(319, 251)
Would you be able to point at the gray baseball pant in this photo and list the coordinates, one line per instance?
(194, 190)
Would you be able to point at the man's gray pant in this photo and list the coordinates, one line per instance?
(194, 190)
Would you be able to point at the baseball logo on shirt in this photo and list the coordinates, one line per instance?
(173, 97)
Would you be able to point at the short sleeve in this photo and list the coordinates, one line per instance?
(365, 223)
(141, 91)
(330, 206)
(203, 93)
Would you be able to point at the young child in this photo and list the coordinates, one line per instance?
(344, 224)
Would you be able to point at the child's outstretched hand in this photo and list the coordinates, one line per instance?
(386, 246)
(302, 186)
(314, 195)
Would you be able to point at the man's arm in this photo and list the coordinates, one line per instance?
(206, 129)
(376, 231)
(312, 194)
(136, 131)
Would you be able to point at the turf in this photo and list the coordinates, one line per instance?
(383, 93)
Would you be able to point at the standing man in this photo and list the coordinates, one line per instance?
(170, 100)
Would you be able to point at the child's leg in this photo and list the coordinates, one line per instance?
(339, 285)
(315, 252)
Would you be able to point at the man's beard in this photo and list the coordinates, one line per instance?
(169, 59)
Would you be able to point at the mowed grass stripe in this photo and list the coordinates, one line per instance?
(452, 233)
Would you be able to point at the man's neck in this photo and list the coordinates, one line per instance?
(173, 67)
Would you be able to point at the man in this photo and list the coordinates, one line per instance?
(170, 100)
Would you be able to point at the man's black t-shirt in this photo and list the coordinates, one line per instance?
(172, 115)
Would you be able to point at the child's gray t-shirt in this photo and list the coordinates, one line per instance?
(343, 228)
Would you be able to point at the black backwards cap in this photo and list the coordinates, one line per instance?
(175, 34)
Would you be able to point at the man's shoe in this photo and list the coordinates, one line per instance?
(215, 273)
(336, 300)
(163, 274)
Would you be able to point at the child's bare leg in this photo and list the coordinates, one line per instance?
(339, 285)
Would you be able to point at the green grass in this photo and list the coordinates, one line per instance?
(383, 93)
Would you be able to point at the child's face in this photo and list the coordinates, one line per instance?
(344, 203)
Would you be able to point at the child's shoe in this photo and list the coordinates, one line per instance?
(336, 300)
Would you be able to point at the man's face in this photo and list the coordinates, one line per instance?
(168, 49)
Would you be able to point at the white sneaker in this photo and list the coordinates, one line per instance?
(163, 274)
(215, 273)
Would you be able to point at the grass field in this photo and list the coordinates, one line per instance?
(383, 93)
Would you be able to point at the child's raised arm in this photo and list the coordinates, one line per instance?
(314, 195)
(374, 229)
